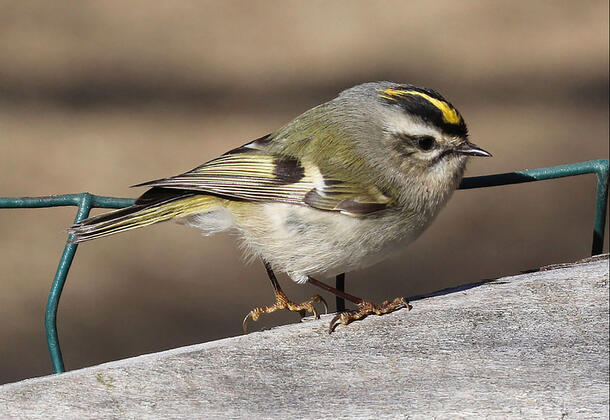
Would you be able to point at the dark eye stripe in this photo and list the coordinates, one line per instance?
(425, 143)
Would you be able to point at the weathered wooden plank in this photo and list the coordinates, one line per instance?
(528, 346)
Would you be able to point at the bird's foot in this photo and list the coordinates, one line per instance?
(368, 308)
(282, 302)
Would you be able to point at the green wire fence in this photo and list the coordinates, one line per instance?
(86, 201)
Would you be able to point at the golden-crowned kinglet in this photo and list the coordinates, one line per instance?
(341, 187)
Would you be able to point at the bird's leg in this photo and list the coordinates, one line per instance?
(282, 302)
(366, 307)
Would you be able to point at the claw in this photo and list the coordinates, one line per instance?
(366, 309)
(244, 324)
(316, 298)
(333, 323)
(325, 305)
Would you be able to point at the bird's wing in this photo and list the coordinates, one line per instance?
(250, 173)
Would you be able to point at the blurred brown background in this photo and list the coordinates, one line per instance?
(99, 95)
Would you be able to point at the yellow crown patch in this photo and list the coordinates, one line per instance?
(450, 115)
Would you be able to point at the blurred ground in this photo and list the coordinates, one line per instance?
(99, 95)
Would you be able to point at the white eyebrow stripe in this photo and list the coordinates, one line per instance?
(401, 123)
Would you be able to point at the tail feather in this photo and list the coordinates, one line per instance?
(156, 205)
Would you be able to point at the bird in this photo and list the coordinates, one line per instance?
(343, 186)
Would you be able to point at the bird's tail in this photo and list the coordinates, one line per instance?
(156, 205)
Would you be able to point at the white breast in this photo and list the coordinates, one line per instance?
(303, 242)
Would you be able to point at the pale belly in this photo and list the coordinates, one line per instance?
(306, 242)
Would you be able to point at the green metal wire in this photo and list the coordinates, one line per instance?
(86, 201)
(598, 167)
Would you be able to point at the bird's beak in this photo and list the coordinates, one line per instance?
(471, 150)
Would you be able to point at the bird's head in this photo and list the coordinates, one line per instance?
(410, 131)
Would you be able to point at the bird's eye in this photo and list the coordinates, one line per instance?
(425, 142)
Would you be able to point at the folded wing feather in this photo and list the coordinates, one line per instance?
(251, 174)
